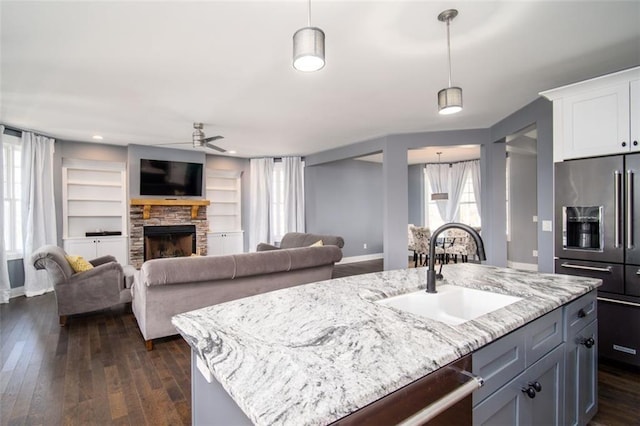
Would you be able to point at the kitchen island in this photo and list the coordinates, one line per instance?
(313, 354)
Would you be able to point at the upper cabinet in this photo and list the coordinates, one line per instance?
(597, 117)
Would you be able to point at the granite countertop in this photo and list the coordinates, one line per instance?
(312, 354)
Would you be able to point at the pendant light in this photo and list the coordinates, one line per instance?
(439, 196)
(308, 46)
(449, 99)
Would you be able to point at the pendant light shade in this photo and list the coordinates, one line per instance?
(449, 99)
(308, 49)
(308, 46)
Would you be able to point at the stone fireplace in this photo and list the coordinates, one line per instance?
(169, 241)
(154, 213)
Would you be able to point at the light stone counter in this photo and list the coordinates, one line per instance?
(315, 353)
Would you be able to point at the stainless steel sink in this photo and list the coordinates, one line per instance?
(451, 304)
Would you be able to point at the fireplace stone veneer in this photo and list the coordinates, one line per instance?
(162, 216)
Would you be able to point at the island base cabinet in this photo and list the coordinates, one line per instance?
(512, 405)
(210, 403)
(581, 379)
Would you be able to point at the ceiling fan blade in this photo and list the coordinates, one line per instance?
(212, 146)
(172, 143)
(212, 138)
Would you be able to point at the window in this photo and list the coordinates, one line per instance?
(277, 202)
(11, 148)
(467, 211)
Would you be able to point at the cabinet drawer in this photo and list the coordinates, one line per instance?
(612, 275)
(542, 335)
(632, 280)
(498, 363)
(579, 313)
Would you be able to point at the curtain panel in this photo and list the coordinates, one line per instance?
(293, 194)
(260, 182)
(457, 173)
(474, 169)
(438, 175)
(5, 287)
(38, 207)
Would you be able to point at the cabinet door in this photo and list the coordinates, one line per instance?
(215, 244)
(114, 246)
(511, 405)
(85, 247)
(597, 122)
(581, 375)
(233, 243)
(635, 115)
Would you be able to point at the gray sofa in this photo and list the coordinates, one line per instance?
(301, 239)
(166, 287)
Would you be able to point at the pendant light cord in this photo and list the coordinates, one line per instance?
(448, 48)
(309, 25)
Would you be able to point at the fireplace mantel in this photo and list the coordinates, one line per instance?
(146, 204)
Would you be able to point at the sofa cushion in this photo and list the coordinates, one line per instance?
(301, 239)
(187, 269)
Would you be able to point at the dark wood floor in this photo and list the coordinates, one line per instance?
(96, 370)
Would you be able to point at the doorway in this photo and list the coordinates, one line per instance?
(522, 199)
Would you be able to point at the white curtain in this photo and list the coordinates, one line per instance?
(293, 194)
(457, 174)
(260, 181)
(474, 169)
(5, 287)
(38, 207)
(438, 175)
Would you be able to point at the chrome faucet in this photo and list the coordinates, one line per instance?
(431, 271)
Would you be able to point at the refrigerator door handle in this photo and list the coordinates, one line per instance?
(586, 268)
(629, 224)
(617, 207)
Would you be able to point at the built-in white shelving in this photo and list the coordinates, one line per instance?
(225, 212)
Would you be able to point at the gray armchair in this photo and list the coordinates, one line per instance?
(99, 288)
(301, 239)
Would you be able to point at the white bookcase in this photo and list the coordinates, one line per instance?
(94, 199)
(225, 212)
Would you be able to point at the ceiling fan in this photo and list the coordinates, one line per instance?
(200, 140)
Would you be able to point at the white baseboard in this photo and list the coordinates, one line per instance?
(363, 258)
(16, 292)
(524, 266)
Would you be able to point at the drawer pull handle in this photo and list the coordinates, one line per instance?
(619, 302)
(582, 313)
(586, 268)
(530, 391)
(588, 343)
(536, 385)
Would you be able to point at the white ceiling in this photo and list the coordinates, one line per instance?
(143, 72)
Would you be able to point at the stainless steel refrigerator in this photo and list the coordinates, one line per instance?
(597, 207)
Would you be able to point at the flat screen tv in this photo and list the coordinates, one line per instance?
(170, 178)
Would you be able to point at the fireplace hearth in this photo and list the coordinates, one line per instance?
(169, 241)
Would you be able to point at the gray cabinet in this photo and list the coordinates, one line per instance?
(533, 398)
(542, 373)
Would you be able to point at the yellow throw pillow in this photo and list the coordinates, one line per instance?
(78, 263)
(318, 243)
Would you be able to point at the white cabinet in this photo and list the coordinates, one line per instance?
(93, 247)
(220, 243)
(596, 117)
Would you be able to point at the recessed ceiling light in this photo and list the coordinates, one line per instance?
(231, 152)
(97, 137)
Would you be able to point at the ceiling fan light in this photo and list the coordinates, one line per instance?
(450, 100)
(308, 49)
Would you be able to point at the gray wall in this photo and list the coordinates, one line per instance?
(540, 113)
(523, 206)
(345, 198)
(416, 194)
